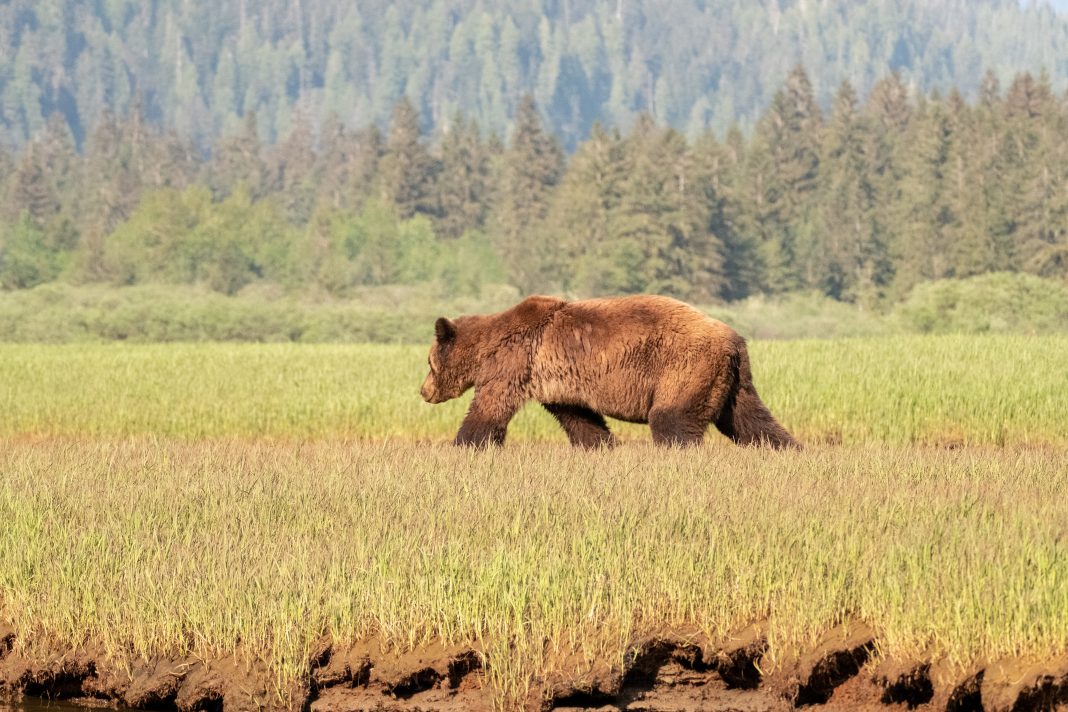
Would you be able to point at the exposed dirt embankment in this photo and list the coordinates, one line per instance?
(661, 673)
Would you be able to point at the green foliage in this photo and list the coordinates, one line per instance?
(802, 315)
(407, 171)
(376, 247)
(183, 237)
(531, 168)
(860, 205)
(57, 313)
(28, 256)
(692, 65)
(468, 282)
(999, 302)
(465, 265)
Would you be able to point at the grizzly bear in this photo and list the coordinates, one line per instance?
(641, 359)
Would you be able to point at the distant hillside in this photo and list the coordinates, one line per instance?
(198, 65)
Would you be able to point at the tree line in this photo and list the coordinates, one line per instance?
(860, 203)
(199, 66)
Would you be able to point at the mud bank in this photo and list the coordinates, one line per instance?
(660, 673)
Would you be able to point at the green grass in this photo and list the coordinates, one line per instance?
(541, 554)
(210, 499)
(904, 389)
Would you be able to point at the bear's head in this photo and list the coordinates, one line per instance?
(452, 362)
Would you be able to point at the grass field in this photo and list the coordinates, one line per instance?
(539, 552)
(910, 389)
(213, 498)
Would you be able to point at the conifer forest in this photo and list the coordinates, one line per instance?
(566, 146)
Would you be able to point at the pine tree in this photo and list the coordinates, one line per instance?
(970, 247)
(531, 168)
(366, 161)
(111, 182)
(462, 186)
(584, 216)
(786, 166)
(849, 261)
(663, 229)
(888, 105)
(32, 191)
(293, 165)
(990, 91)
(60, 158)
(731, 213)
(7, 172)
(334, 163)
(921, 246)
(238, 161)
(700, 229)
(407, 170)
(153, 158)
(1038, 209)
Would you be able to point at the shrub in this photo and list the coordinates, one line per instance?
(1000, 302)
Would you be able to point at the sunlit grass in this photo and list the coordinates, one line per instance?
(536, 552)
(209, 499)
(902, 389)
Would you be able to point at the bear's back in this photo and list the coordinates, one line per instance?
(614, 354)
(644, 314)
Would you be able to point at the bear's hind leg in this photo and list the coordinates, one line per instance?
(584, 427)
(678, 426)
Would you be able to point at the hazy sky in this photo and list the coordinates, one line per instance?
(1059, 5)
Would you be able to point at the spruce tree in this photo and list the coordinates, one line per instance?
(463, 185)
(367, 159)
(293, 166)
(530, 170)
(407, 170)
(238, 161)
(921, 246)
(60, 158)
(32, 190)
(786, 166)
(970, 245)
(1038, 210)
(888, 105)
(7, 172)
(699, 228)
(334, 163)
(585, 213)
(849, 261)
(664, 218)
(111, 182)
(731, 211)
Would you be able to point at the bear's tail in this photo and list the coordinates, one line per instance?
(744, 418)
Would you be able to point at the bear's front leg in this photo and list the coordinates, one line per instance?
(487, 419)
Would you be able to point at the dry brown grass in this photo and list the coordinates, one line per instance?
(539, 553)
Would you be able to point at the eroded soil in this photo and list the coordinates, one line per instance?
(665, 672)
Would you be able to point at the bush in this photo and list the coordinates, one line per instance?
(56, 312)
(805, 315)
(59, 313)
(1000, 302)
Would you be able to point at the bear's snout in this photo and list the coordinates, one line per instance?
(428, 391)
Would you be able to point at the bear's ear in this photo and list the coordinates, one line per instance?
(444, 330)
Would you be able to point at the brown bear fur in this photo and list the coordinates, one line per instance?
(642, 359)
